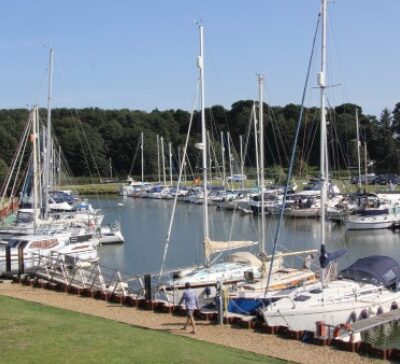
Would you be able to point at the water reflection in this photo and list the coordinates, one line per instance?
(386, 336)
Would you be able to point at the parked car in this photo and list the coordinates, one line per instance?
(237, 178)
(368, 178)
(388, 178)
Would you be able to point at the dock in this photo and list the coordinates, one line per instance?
(370, 323)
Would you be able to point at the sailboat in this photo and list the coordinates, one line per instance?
(40, 218)
(369, 286)
(257, 291)
(237, 264)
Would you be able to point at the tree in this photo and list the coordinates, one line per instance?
(396, 120)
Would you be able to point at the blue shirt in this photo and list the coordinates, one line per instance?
(189, 297)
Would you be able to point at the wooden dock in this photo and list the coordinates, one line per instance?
(369, 323)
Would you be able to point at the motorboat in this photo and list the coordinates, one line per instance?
(110, 234)
(27, 249)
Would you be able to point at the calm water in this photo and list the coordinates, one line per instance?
(145, 222)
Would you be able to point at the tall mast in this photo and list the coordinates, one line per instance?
(141, 147)
(256, 144)
(241, 160)
(59, 167)
(158, 159)
(229, 154)
(358, 151)
(34, 139)
(209, 156)
(261, 126)
(163, 161)
(323, 155)
(170, 161)
(223, 158)
(200, 63)
(110, 169)
(179, 157)
(48, 142)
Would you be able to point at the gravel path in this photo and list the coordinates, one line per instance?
(244, 339)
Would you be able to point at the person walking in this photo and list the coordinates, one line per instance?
(189, 298)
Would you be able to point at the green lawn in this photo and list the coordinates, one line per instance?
(34, 333)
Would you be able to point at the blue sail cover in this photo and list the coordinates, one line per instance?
(375, 269)
(245, 306)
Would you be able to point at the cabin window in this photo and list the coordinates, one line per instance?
(302, 298)
(389, 275)
(44, 244)
(14, 243)
(24, 217)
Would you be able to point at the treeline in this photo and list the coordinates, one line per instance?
(90, 137)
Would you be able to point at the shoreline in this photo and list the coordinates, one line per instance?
(247, 340)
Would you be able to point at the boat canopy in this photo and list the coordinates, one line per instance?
(212, 247)
(376, 269)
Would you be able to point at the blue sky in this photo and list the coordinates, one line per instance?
(142, 54)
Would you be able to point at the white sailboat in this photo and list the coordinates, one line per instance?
(369, 286)
(46, 214)
(234, 268)
(258, 291)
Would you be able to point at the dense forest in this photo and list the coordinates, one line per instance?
(90, 138)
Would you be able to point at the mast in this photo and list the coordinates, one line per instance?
(163, 161)
(358, 150)
(170, 161)
(256, 144)
(365, 163)
(48, 142)
(223, 158)
(34, 139)
(241, 160)
(158, 159)
(323, 154)
(179, 157)
(229, 154)
(110, 169)
(59, 167)
(209, 156)
(200, 63)
(141, 147)
(261, 126)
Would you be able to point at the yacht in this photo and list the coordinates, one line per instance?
(369, 286)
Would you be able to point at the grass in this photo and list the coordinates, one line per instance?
(34, 333)
(94, 189)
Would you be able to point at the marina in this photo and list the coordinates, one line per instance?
(275, 220)
(146, 252)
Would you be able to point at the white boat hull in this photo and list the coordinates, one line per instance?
(340, 303)
(355, 222)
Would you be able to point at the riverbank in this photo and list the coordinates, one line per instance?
(94, 188)
(112, 188)
(248, 340)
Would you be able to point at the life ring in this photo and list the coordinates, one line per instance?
(394, 306)
(364, 314)
(341, 327)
